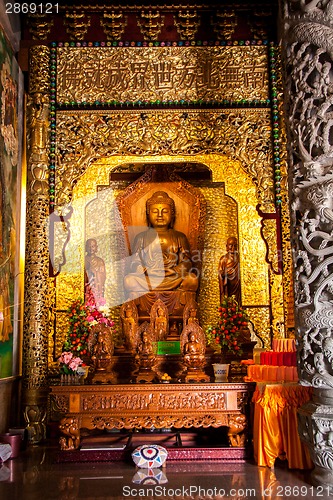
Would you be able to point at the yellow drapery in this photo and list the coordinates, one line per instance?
(275, 431)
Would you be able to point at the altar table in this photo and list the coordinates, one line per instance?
(275, 428)
(130, 406)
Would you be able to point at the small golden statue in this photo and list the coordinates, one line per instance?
(229, 271)
(130, 322)
(159, 319)
(191, 313)
(193, 347)
(146, 353)
(102, 347)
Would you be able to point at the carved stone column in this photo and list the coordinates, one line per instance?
(307, 35)
(35, 337)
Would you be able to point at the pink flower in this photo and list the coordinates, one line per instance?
(90, 318)
(101, 302)
(103, 320)
(65, 358)
(75, 363)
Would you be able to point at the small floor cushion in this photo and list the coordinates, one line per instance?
(149, 456)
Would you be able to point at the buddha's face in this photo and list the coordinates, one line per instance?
(160, 215)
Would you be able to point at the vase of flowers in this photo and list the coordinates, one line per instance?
(226, 335)
(72, 369)
(83, 318)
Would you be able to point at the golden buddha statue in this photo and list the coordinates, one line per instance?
(161, 258)
(193, 347)
(193, 350)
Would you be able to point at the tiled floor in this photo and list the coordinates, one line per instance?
(35, 475)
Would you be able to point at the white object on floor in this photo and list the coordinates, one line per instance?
(5, 452)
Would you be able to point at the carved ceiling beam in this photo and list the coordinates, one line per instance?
(77, 24)
(40, 26)
(187, 23)
(150, 24)
(224, 24)
(114, 24)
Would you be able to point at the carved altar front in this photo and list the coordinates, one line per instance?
(150, 406)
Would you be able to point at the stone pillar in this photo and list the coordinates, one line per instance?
(36, 315)
(307, 49)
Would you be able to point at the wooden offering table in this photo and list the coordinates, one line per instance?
(148, 406)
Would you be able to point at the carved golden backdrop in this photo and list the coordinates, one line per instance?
(104, 74)
(231, 209)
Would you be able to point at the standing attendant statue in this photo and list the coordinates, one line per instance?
(129, 318)
(229, 271)
(95, 273)
(146, 353)
(159, 320)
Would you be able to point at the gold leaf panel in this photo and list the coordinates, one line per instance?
(89, 74)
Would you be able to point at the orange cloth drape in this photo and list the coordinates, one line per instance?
(275, 429)
(267, 373)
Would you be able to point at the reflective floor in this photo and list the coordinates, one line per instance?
(35, 475)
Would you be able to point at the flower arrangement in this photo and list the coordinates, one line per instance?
(83, 316)
(225, 335)
(69, 365)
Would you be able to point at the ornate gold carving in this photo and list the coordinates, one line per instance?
(224, 24)
(35, 341)
(288, 266)
(161, 73)
(36, 314)
(40, 26)
(39, 61)
(155, 401)
(187, 22)
(60, 403)
(51, 307)
(37, 143)
(61, 331)
(159, 422)
(277, 305)
(270, 236)
(77, 24)
(35, 406)
(260, 317)
(242, 134)
(150, 24)
(37, 295)
(236, 433)
(114, 24)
